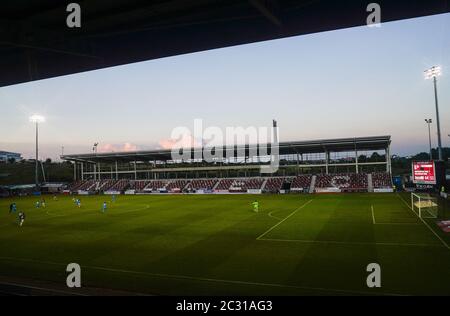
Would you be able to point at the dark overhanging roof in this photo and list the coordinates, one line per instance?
(36, 44)
(285, 148)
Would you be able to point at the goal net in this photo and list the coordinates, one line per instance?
(424, 205)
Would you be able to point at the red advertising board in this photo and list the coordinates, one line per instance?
(424, 172)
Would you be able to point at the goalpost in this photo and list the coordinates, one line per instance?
(424, 205)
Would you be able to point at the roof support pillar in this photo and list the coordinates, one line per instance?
(388, 159)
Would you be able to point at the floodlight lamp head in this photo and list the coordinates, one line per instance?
(433, 72)
(36, 118)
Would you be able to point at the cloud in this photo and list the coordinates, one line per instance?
(126, 147)
(186, 141)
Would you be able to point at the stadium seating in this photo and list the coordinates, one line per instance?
(138, 185)
(224, 184)
(155, 185)
(120, 185)
(242, 185)
(358, 182)
(177, 185)
(301, 183)
(381, 180)
(349, 182)
(202, 184)
(344, 182)
(76, 185)
(86, 186)
(274, 185)
(105, 185)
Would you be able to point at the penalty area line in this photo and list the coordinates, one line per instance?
(283, 220)
(392, 223)
(350, 243)
(425, 223)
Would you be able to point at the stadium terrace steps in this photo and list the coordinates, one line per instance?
(312, 187)
(369, 182)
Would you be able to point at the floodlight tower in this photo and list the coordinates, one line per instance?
(429, 121)
(433, 73)
(36, 119)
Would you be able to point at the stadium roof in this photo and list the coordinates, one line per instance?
(35, 42)
(2, 152)
(285, 148)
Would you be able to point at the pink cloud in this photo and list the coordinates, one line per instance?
(186, 141)
(104, 148)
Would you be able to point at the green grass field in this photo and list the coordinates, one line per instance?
(216, 244)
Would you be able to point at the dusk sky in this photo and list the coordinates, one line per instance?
(347, 83)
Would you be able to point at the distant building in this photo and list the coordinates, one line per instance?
(5, 156)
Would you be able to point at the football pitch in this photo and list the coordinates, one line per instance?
(217, 245)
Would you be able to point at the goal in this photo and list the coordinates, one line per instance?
(424, 205)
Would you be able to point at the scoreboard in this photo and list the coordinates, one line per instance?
(424, 172)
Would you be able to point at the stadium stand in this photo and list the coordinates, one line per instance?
(345, 182)
(138, 185)
(349, 182)
(381, 180)
(274, 185)
(120, 185)
(104, 185)
(243, 185)
(86, 186)
(155, 185)
(301, 183)
(224, 184)
(76, 185)
(177, 185)
(202, 184)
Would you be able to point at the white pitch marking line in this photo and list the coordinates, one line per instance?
(271, 215)
(425, 223)
(282, 221)
(349, 242)
(373, 216)
(40, 288)
(377, 223)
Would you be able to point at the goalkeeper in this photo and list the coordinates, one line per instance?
(255, 206)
